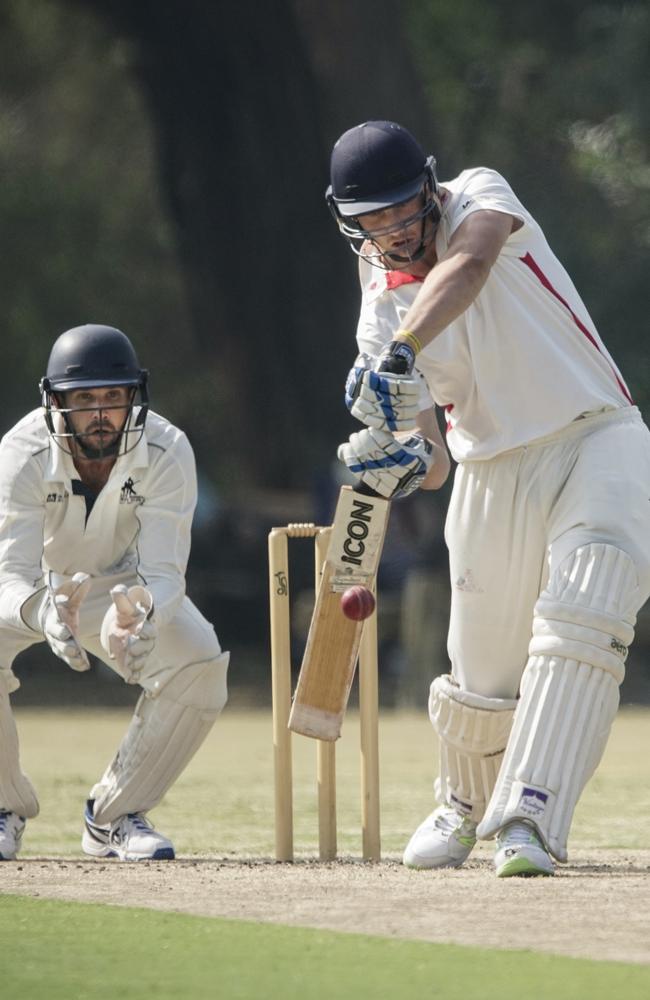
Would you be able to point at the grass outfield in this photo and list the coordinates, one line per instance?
(223, 803)
(79, 951)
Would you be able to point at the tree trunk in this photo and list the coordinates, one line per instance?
(246, 100)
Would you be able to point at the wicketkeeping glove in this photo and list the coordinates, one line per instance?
(59, 619)
(391, 468)
(385, 396)
(127, 634)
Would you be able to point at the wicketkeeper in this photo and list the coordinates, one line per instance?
(465, 306)
(97, 499)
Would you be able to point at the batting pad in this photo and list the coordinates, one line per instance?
(17, 793)
(164, 734)
(569, 693)
(473, 733)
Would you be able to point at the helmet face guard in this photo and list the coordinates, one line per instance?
(62, 431)
(93, 357)
(365, 242)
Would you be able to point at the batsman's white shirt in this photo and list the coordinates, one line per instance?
(524, 360)
(139, 524)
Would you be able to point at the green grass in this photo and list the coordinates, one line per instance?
(77, 951)
(223, 803)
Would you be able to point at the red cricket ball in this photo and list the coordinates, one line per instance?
(357, 603)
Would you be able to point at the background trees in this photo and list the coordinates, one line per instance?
(164, 166)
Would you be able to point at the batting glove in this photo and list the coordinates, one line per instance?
(59, 620)
(387, 395)
(363, 363)
(391, 468)
(128, 634)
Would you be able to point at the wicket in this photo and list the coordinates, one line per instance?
(325, 751)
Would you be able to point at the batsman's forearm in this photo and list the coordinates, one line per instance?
(439, 472)
(448, 290)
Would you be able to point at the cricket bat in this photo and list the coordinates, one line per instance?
(332, 647)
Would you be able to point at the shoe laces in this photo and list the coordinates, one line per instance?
(449, 821)
(519, 833)
(139, 822)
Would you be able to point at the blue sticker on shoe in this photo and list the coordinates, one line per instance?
(533, 802)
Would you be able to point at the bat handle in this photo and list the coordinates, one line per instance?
(366, 491)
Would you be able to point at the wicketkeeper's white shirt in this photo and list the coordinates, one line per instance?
(140, 522)
(524, 360)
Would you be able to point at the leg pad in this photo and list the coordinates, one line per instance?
(17, 794)
(473, 733)
(164, 734)
(583, 625)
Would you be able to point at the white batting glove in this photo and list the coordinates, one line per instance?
(387, 395)
(363, 363)
(390, 467)
(59, 619)
(127, 634)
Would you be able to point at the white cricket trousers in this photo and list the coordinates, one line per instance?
(513, 519)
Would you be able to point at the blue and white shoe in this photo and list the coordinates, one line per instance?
(129, 838)
(12, 827)
(520, 851)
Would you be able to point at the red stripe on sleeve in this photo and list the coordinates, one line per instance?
(530, 262)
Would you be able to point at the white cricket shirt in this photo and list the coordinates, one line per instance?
(524, 360)
(140, 521)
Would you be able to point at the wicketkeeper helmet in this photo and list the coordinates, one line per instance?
(91, 357)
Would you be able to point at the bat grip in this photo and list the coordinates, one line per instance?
(366, 491)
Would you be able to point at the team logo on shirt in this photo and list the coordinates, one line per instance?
(128, 492)
(57, 497)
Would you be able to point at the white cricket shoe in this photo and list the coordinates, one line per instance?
(129, 838)
(443, 840)
(520, 851)
(12, 827)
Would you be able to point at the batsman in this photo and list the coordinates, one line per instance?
(465, 307)
(98, 495)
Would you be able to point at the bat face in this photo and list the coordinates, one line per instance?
(330, 657)
(357, 538)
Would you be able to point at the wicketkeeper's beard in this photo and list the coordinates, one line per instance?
(109, 442)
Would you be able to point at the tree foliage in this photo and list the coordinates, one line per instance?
(84, 238)
(555, 96)
(165, 164)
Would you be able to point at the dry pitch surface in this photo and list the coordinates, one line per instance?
(597, 906)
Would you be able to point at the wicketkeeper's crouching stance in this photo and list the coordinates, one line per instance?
(98, 496)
